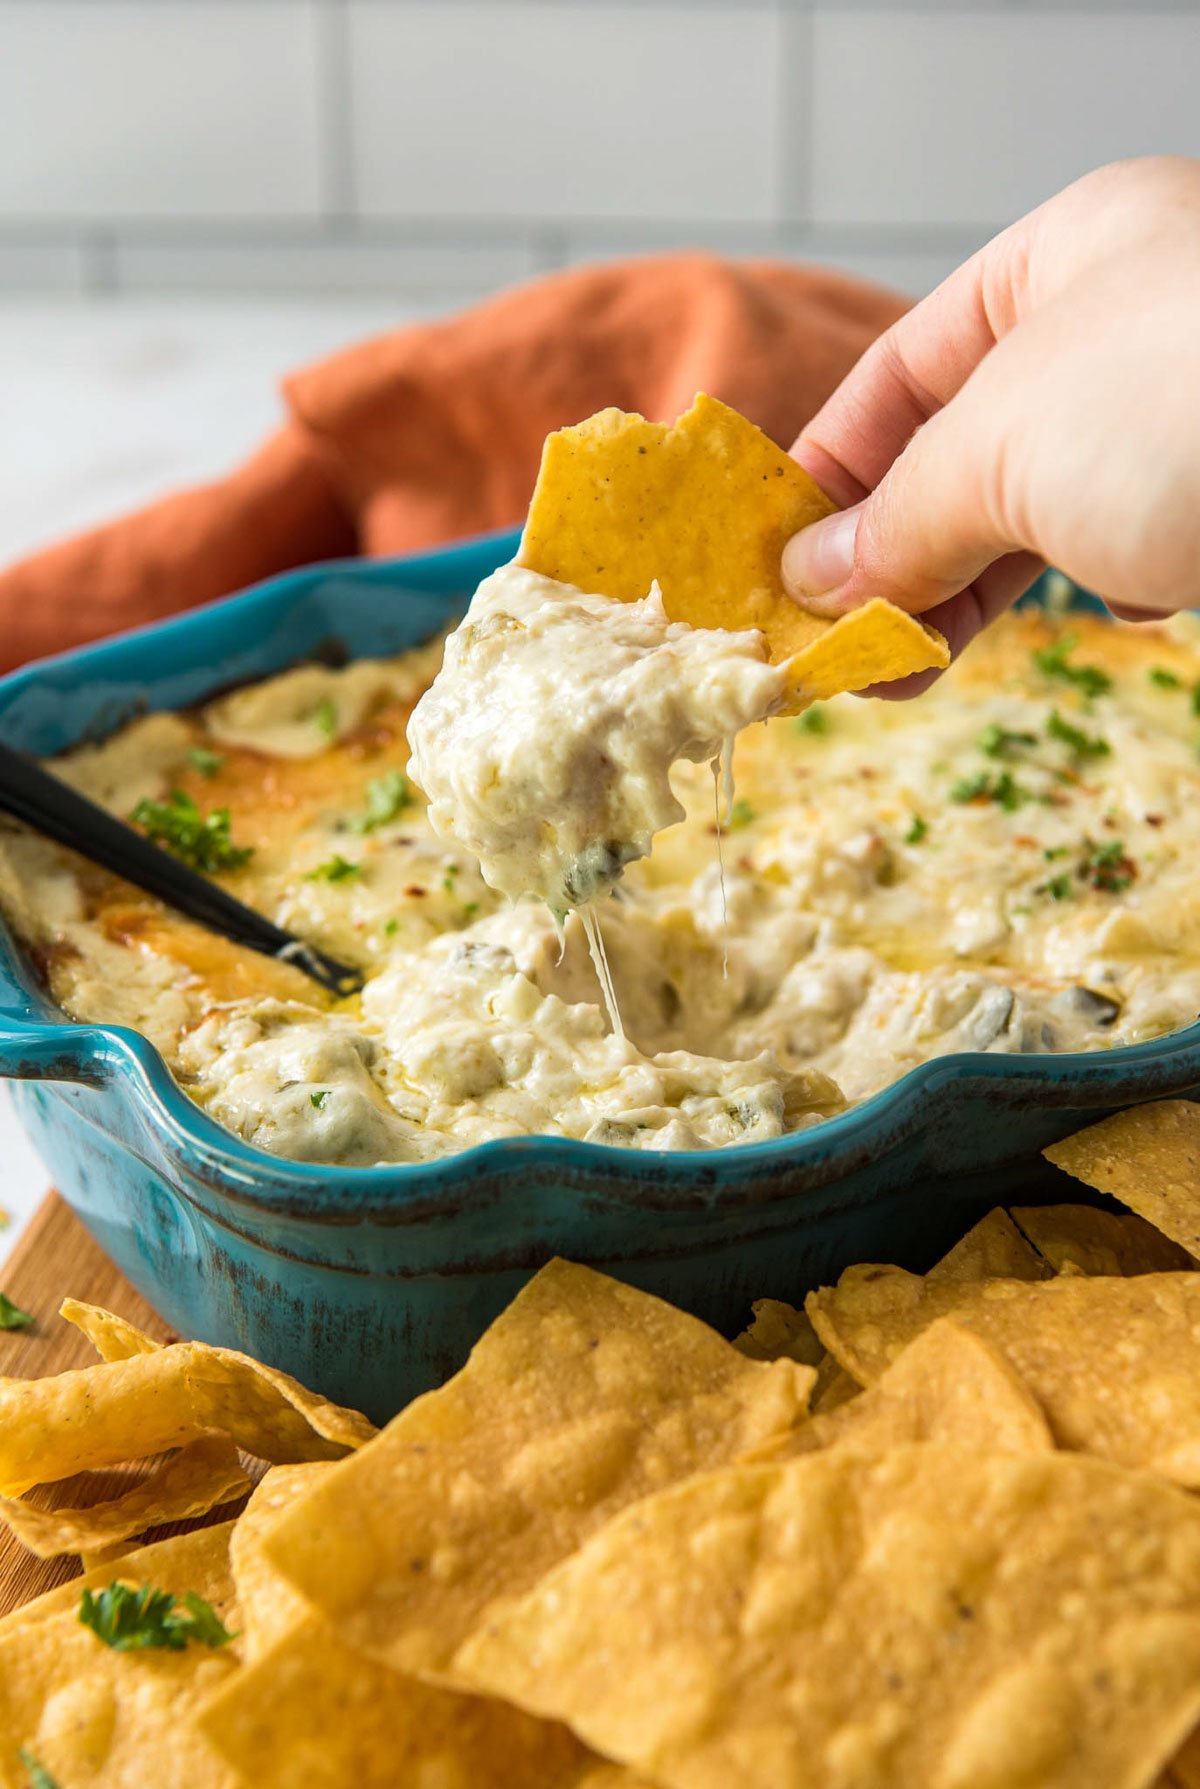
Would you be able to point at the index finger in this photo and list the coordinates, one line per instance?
(913, 369)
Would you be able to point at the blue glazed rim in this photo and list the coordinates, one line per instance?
(37, 1046)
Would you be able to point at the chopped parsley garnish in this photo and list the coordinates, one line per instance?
(917, 829)
(325, 717)
(470, 910)
(206, 762)
(1002, 742)
(11, 1315)
(813, 720)
(391, 928)
(741, 814)
(1164, 679)
(1106, 866)
(131, 1620)
(1003, 789)
(1084, 745)
(39, 1776)
(386, 796)
(450, 878)
(1054, 661)
(317, 1100)
(335, 869)
(201, 840)
(1196, 698)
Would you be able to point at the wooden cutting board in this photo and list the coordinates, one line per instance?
(56, 1259)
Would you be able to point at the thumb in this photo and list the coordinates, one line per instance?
(926, 532)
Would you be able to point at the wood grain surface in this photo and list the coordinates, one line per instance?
(57, 1259)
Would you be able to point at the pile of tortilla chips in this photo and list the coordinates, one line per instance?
(930, 1532)
(705, 508)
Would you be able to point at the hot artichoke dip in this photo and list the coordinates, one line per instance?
(1005, 864)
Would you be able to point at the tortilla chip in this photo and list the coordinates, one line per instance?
(875, 1311)
(932, 1615)
(142, 1404)
(834, 1387)
(1108, 1243)
(583, 1396)
(1184, 1770)
(1114, 1363)
(950, 1385)
(1149, 1159)
(705, 508)
(99, 1719)
(269, 1413)
(779, 1332)
(91, 1557)
(199, 1559)
(993, 1249)
(113, 1337)
(203, 1475)
(269, 1605)
(312, 1714)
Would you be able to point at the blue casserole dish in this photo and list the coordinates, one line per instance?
(372, 1283)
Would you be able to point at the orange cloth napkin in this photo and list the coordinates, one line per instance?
(435, 432)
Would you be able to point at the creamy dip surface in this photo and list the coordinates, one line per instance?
(1006, 864)
(545, 745)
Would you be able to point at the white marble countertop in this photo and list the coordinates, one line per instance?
(106, 406)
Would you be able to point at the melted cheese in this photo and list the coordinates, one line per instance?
(546, 741)
(890, 898)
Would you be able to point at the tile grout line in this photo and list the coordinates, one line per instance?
(796, 122)
(335, 111)
(98, 263)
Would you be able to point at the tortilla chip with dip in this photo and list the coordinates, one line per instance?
(925, 1618)
(705, 508)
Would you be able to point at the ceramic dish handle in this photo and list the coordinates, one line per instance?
(52, 1053)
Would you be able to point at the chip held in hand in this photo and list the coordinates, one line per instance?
(705, 507)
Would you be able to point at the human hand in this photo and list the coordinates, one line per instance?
(1043, 405)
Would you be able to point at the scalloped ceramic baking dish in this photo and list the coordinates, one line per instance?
(372, 1283)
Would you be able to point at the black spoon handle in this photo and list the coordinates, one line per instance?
(53, 808)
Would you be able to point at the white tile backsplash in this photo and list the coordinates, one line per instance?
(513, 108)
(42, 266)
(926, 118)
(437, 149)
(454, 272)
(906, 267)
(174, 108)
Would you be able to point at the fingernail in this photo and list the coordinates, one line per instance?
(818, 560)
